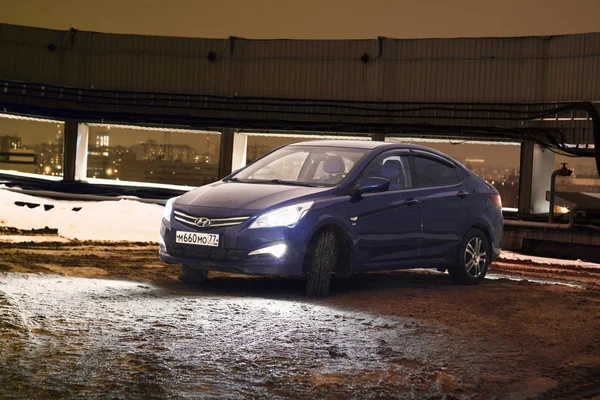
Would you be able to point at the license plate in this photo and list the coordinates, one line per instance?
(200, 239)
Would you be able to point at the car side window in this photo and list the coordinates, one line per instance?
(430, 172)
(392, 166)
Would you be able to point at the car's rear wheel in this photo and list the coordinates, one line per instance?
(191, 274)
(321, 260)
(473, 259)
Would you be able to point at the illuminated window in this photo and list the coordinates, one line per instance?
(260, 144)
(31, 145)
(153, 155)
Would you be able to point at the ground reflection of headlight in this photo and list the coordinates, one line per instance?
(277, 250)
(285, 216)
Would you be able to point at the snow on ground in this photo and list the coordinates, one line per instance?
(97, 220)
(510, 256)
(32, 238)
(124, 220)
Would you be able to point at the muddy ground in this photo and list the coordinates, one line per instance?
(90, 320)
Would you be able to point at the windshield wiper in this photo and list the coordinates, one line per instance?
(294, 183)
(232, 179)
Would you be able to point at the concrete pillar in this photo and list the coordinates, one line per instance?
(75, 151)
(240, 144)
(70, 150)
(543, 166)
(226, 152)
(525, 176)
(81, 158)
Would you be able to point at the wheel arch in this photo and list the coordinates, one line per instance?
(346, 251)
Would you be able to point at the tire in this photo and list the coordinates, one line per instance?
(473, 259)
(322, 257)
(191, 274)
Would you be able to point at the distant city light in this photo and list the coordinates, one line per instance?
(47, 169)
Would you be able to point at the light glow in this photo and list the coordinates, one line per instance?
(285, 216)
(277, 250)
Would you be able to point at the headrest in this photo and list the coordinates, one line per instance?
(334, 165)
(391, 169)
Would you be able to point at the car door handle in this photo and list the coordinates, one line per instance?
(402, 203)
(463, 193)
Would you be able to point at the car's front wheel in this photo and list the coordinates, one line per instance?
(192, 274)
(473, 259)
(321, 260)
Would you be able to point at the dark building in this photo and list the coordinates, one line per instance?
(9, 142)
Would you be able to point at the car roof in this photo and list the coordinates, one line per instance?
(363, 144)
(350, 144)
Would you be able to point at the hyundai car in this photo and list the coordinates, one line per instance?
(318, 208)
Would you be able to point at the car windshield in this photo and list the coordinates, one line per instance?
(300, 165)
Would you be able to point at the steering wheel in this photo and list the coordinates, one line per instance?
(333, 178)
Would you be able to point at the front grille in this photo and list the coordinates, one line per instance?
(214, 222)
(211, 254)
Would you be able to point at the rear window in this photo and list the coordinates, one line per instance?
(431, 172)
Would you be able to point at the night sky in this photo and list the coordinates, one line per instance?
(310, 19)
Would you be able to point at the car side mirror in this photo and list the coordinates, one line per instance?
(372, 185)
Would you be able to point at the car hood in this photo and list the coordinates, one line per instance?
(244, 196)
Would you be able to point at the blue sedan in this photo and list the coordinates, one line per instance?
(317, 208)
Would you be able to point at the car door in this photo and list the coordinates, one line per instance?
(444, 201)
(387, 225)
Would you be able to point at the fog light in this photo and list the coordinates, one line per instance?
(277, 250)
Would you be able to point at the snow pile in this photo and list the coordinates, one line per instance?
(510, 256)
(123, 220)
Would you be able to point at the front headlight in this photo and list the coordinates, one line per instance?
(285, 216)
(169, 208)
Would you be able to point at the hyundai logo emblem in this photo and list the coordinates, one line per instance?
(202, 222)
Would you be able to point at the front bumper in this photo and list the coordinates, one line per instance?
(258, 267)
(235, 244)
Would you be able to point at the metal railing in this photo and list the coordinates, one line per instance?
(570, 127)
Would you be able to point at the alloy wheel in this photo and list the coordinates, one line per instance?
(475, 257)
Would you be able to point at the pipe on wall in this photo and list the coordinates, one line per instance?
(533, 224)
(564, 171)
